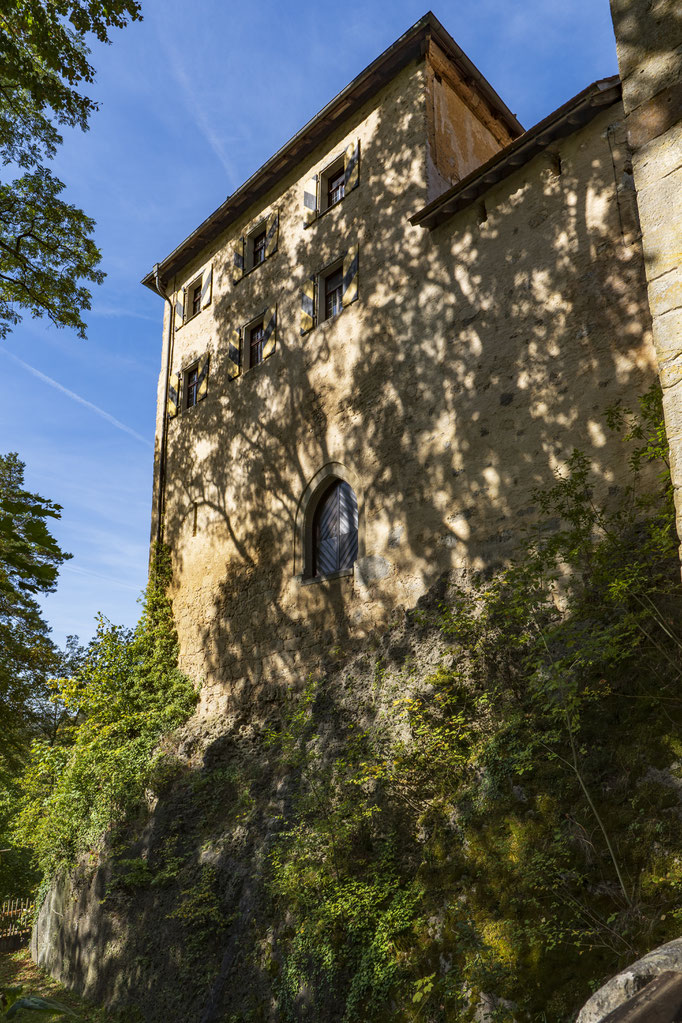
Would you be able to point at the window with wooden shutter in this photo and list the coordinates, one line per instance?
(310, 204)
(335, 530)
(207, 287)
(195, 298)
(234, 359)
(259, 248)
(237, 260)
(256, 344)
(269, 331)
(173, 404)
(191, 386)
(271, 234)
(351, 166)
(333, 290)
(350, 276)
(202, 376)
(308, 304)
(179, 308)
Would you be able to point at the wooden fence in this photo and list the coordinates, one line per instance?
(16, 918)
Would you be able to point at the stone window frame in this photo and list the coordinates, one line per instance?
(305, 512)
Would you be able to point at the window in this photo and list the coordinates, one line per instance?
(331, 185)
(326, 294)
(190, 300)
(256, 339)
(253, 248)
(259, 248)
(335, 530)
(192, 386)
(195, 295)
(333, 293)
(335, 187)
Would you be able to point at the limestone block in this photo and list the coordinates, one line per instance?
(660, 253)
(627, 983)
(653, 73)
(643, 30)
(672, 406)
(665, 293)
(658, 158)
(676, 460)
(371, 569)
(670, 372)
(667, 331)
(658, 202)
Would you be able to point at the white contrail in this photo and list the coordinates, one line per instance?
(76, 397)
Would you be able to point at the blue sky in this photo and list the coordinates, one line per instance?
(193, 100)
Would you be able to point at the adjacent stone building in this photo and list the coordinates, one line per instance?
(378, 347)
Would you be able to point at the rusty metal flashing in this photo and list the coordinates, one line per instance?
(412, 45)
(573, 115)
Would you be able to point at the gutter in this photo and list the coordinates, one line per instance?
(165, 370)
(573, 115)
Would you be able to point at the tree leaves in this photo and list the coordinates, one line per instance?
(47, 254)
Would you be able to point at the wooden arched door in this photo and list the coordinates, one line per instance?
(335, 530)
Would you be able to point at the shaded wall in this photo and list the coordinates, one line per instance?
(649, 44)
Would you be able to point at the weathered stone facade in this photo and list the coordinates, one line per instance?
(649, 42)
(478, 354)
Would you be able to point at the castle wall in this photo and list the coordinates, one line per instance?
(649, 44)
(476, 357)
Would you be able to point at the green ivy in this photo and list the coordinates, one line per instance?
(125, 697)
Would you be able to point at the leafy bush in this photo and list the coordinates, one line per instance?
(521, 839)
(126, 695)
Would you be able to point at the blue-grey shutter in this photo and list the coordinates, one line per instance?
(348, 527)
(308, 305)
(179, 308)
(271, 233)
(234, 360)
(310, 201)
(269, 330)
(351, 167)
(207, 287)
(202, 377)
(173, 406)
(335, 538)
(350, 276)
(238, 260)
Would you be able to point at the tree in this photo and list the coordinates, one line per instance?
(47, 254)
(29, 562)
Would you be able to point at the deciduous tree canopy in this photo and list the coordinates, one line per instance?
(47, 255)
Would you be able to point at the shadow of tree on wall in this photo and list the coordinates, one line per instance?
(475, 359)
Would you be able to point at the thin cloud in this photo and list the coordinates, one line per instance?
(195, 103)
(117, 311)
(77, 570)
(76, 397)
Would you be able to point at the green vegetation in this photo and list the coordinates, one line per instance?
(515, 830)
(125, 696)
(406, 843)
(29, 562)
(47, 257)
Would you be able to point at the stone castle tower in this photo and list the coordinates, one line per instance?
(377, 348)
